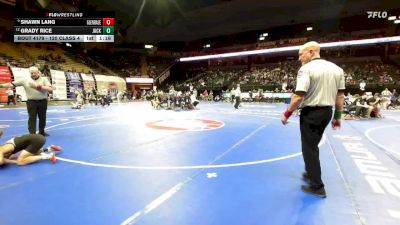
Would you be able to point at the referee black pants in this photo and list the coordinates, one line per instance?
(313, 121)
(237, 102)
(10, 99)
(36, 108)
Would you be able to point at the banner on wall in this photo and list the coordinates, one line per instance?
(112, 85)
(109, 84)
(20, 74)
(88, 81)
(59, 82)
(74, 82)
(5, 77)
(102, 84)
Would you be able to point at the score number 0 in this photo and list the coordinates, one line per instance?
(108, 21)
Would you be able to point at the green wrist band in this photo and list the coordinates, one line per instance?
(337, 115)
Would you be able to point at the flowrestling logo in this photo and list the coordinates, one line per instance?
(377, 14)
(185, 124)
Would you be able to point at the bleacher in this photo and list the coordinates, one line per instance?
(27, 54)
(10, 53)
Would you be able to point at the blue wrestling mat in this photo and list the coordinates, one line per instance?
(130, 164)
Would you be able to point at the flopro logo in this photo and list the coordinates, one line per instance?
(377, 14)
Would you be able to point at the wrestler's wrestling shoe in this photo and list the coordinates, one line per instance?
(53, 158)
(52, 148)
(55, 148)
(49, 156)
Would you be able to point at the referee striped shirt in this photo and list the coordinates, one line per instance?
(33, 93)
(320, 80)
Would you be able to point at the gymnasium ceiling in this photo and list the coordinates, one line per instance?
(185, 20)
(153, 21)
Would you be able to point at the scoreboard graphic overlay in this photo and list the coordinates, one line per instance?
(65, 27)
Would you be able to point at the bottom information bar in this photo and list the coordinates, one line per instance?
(63, 38)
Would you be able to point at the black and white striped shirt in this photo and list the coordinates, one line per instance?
(320, 80)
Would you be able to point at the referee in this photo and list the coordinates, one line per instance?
(238, 92)
(36, 88)
(320, 86)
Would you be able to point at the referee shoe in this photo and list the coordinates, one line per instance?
(320, 192)
(44, 134)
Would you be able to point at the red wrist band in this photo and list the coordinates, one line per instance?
(287, 113)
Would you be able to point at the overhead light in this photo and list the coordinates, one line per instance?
(261, 38)
(391, 17)
(265, 34)
(397, 21)
(309, 28)
(294, 48)
(207, 46)
(148, 46)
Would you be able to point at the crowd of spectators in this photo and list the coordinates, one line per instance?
(283, 74)
(121, 62)
(10, 61)
(128, 63)
(207, 78)
(271, 74)
(271, 43)
(51, 58)
(371, 72)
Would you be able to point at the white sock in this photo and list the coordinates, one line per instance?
(45, 155)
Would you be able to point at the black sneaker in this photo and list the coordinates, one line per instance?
(320, 192)
(44, 134)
